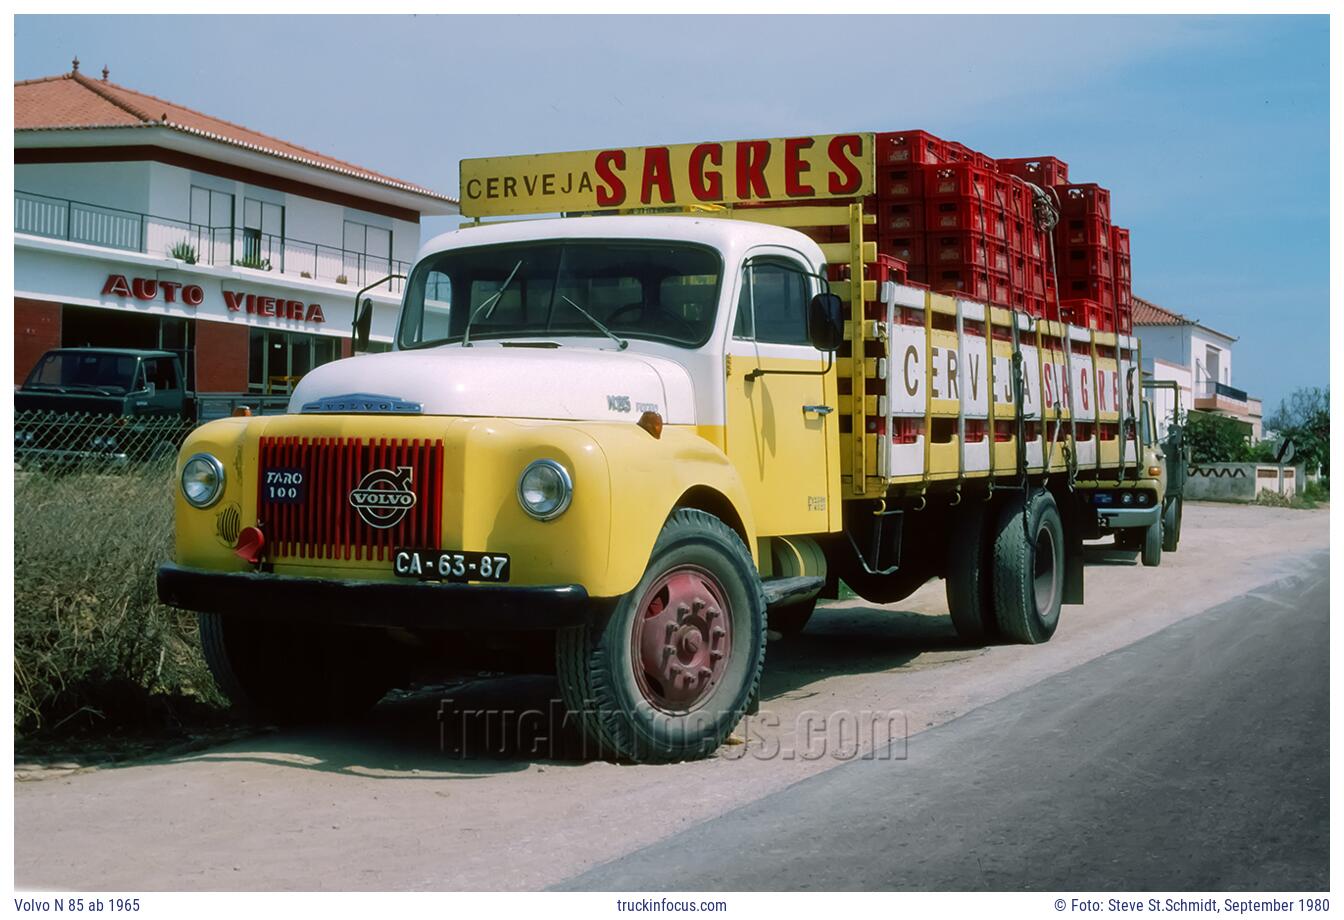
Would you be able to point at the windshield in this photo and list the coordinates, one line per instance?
(108, 373)
(665, 292)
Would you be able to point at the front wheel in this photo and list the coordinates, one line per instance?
(676, 664)
(1152, 544)
(1171, 526)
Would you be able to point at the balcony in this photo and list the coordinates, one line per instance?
(1211, 396)
(131, 231)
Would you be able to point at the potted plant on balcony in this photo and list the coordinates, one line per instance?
(253, 262)
(184, 252)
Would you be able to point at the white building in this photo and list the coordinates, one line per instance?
(1196, 357)
(142, 223)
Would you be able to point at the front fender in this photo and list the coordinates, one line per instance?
(648, 478)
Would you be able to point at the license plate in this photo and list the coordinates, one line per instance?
(450, 565)
(283, 486)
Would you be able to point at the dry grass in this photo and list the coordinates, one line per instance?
(91, 642)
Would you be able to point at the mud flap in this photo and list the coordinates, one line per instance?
(1073, 549)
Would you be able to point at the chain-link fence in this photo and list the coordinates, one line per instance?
(50, 441)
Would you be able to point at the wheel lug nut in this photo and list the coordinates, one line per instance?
(669, 651)
(671, 628)
(715, 655)
(717, 632)
(698, 604)
(705, 673)
(683, 612)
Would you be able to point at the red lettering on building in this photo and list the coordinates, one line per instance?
(116, 284)
(193, 295)
(144, 288)
(232, 299)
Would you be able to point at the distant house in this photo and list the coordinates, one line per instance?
(1199, 359)
(142, 223)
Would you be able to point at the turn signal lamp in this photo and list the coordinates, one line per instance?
(651, 422)
(242, 411)
(1154, 471)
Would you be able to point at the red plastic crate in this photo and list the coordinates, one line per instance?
(1086, 313)
(1000, 289)
(1013, 196)
(970, 282)
(1120, 268)
(900, 182)
(908, 247)
(1017, 233)
(1120, 240)
(959, 180)
(826, 234)
(1042, 171)
(1100, 290)
(958, 248)
(913, 147)
(1035, 305)
(1085, 262)
(1089, 198)
(1034, 276)
(964, 214)
(1035, 247)
(1083, 230)
(900, 217)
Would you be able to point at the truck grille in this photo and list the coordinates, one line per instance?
(350, 499)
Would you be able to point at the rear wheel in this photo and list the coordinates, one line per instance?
(678, 661)
(969, 575)
(1152, 544)
(291, 673)
(1029, 569)
(1171, 525)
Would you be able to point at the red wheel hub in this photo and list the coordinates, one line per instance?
(682, 639)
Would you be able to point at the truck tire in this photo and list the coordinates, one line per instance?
(791, 619)
(970, 577)
(284, 672)
(1152, 544)
(1029, 569)
(1171, 525)
(674, 667)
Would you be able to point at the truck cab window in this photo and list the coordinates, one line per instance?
(772, 307)
(159, 371)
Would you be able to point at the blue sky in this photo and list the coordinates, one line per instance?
(1210, 131)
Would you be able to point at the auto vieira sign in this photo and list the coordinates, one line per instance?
(193, 295)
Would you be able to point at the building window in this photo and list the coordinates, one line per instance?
(211, 217)
(263, 234)
(99, 328)
(277, 360)
(368, 252)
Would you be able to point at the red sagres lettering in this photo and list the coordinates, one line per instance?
(795, 166)
(606, 164)
(751, 159)
(845, 178)
(657, 171)
(706, 186)
(315, 313)
(232, 299)
(116, 284)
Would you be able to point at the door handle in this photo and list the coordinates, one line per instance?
(819, 410)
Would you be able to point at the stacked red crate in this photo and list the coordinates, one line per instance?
(1122, 276)
(1083, 255)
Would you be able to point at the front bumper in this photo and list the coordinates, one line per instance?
(407, 604)
(1125, 518)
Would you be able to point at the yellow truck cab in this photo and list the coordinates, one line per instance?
(654, 438)
(1132, 509)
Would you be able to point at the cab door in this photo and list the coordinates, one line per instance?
(781, 424)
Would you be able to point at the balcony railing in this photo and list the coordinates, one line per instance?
(1210, 389)
(132, 231)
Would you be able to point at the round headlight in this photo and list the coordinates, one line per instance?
(544, 489)
(202, 480)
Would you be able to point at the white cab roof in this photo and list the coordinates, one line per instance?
(727, 235)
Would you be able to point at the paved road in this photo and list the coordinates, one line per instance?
(1167, 727)
(1195, 759)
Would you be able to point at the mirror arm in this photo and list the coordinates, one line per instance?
(354, 325)
(761, 372)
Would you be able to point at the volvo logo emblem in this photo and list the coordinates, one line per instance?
(383, 496)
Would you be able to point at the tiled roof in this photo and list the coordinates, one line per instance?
(1147, 313)
(73, 101)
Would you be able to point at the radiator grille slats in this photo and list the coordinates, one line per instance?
(325, 524)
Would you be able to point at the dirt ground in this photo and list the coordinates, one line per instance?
(422, 796)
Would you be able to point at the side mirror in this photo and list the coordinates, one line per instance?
(826, 322)
(150, 388)
(363, 323)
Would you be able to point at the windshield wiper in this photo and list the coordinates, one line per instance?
(89, 386)
(596, 322)
(488, 305)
